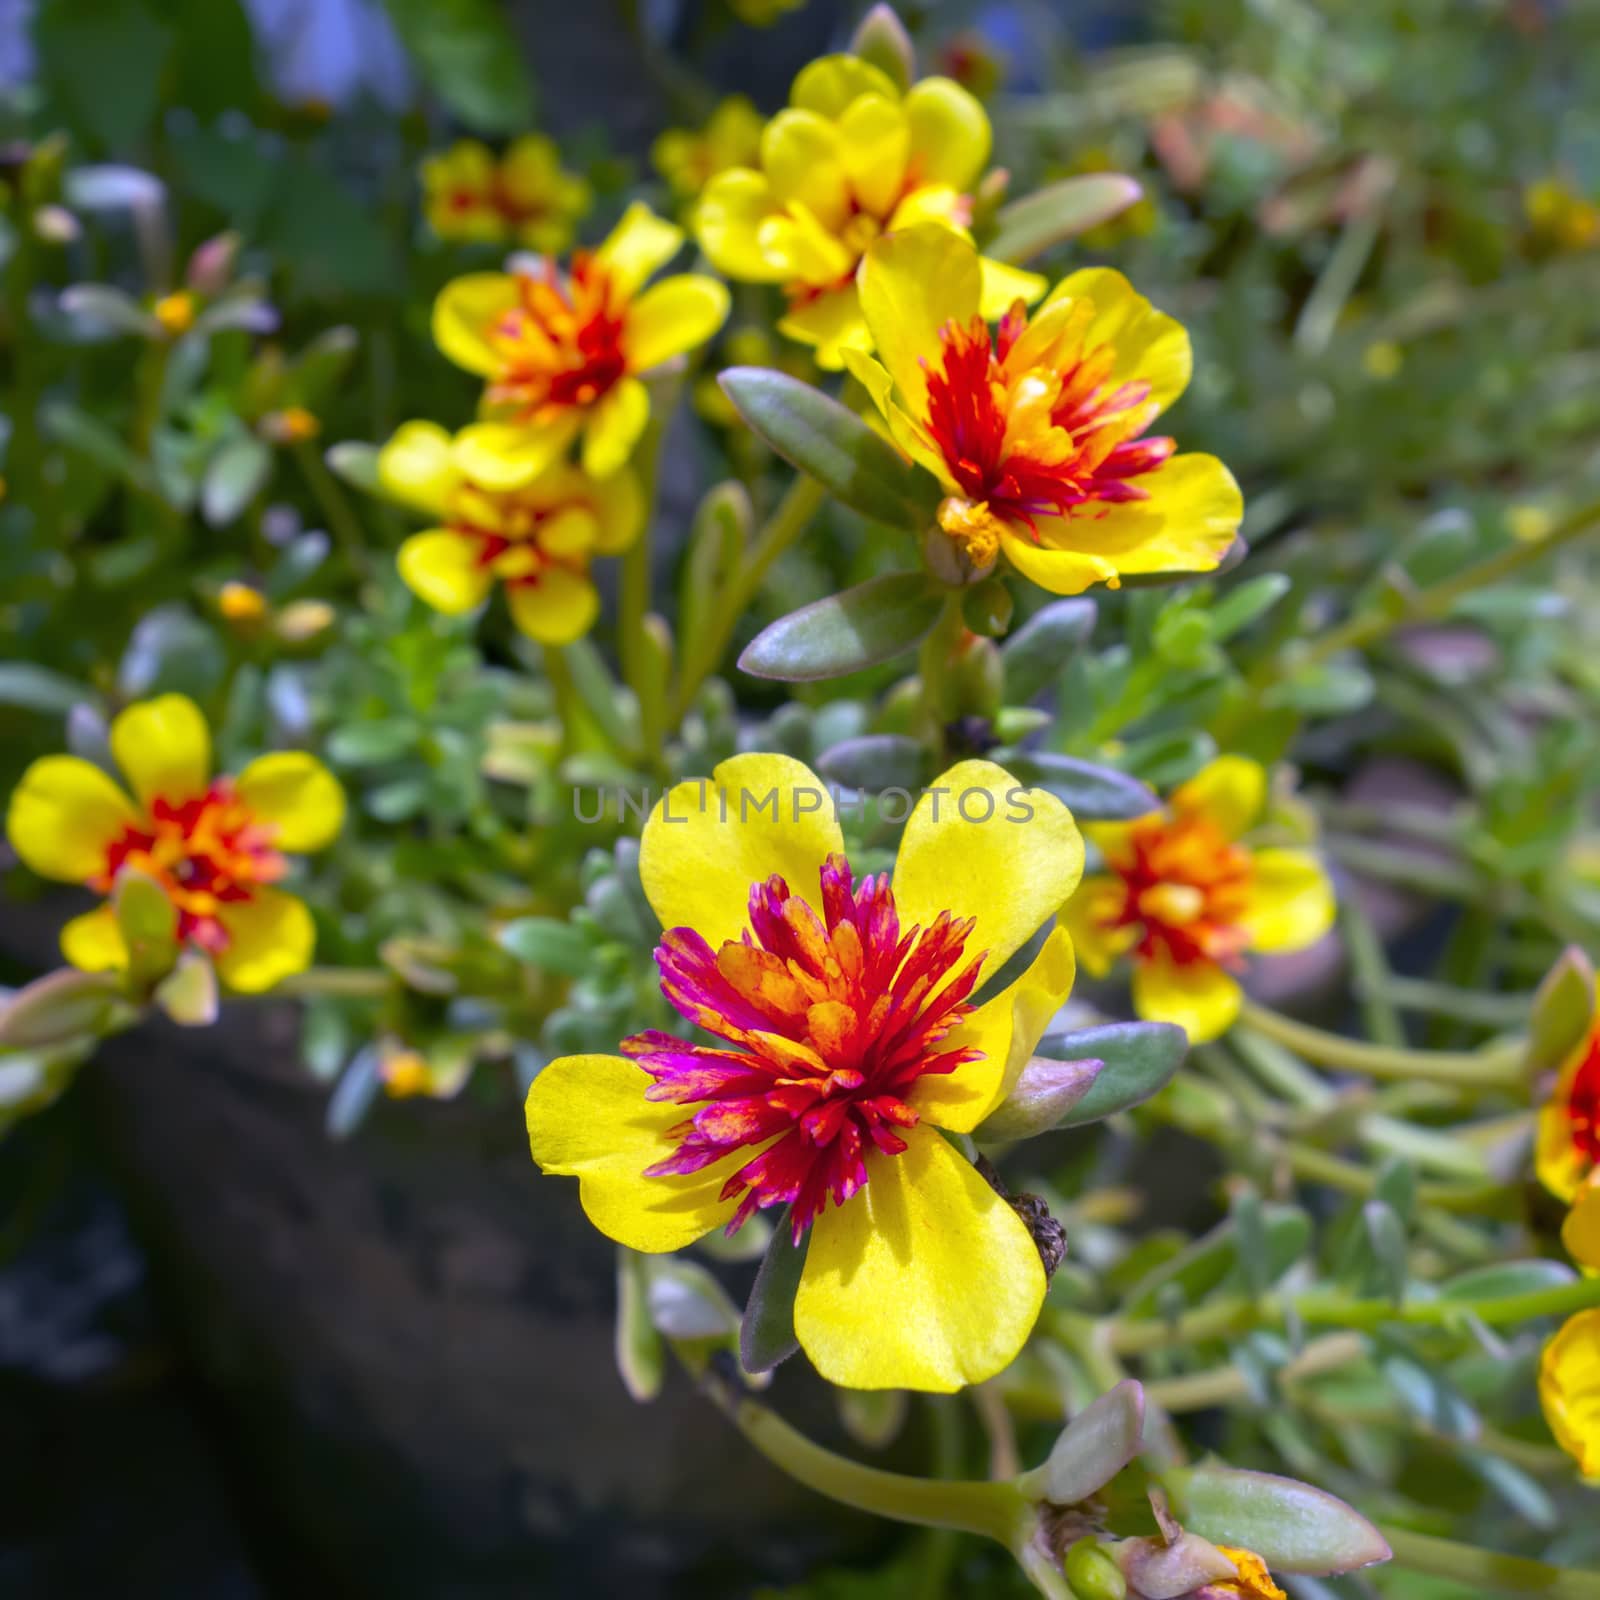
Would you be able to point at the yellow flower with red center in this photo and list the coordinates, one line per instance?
(690, 159)
(1038, 430)
(847, 1034)
(216, 845)
(562, 352)
(536, 536)
(524, 197)
(849, 159)
(1567, 1154)
(1569, 1389)
(1186, 896)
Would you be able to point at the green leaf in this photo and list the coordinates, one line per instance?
(1035, 655)
(89, 437)
(846, 632)
(39, 689)
(1030, 226)
(548, 943)
(148, 923)
(1139, 1058)
(1095, 793)
(61, 1007)
(372, 744)
(1237, 610)
(1092, 1449)
(235, 475)
(873, 1417)
(318, 369)
(686, 1302)
(717, 541)
(1386, 1239)
(1563, 1011)
(1199, 1268)
(881, 39)
(188, 994)
(876, 761)
(103, 65)
(858, 467)
(1046, 1091)
(107, 311)
(1291, 1526)
(356, 462)
(766, 1332)
(1505, 1280)
(640, 1352)
(598, 691)
(470, 58)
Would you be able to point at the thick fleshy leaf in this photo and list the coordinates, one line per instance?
(235, 475)
(548, 943)
(1031, 225)
(641, 1355)
(356, 462)
(1284, 1234)
(857, 466)
(717, 541)
(1038, 652)
(766, 1334)
(1138, 1058)
(63, 1006)
(1563, 1011)
(846, 632)
(876, 761)
(1044, 1094)
(147, 921)
(1092, 793)
(1291, 1526)
(1093, 1448)
(881, 39)
(188, 994)
(1506, 1279)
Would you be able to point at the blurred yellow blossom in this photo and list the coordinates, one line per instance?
(525, 197)
(689, 160)
(1569, 1389)
(1559, 217)
(175, 312)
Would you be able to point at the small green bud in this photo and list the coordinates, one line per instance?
(1092, 1574)
(979, 679)
(987, 608)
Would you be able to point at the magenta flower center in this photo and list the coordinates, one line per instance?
(828, 1022)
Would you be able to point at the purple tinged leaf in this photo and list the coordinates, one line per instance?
(1161, 1571)
(1045, 1092)
(1093, 1448)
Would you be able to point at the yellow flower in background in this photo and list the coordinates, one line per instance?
(536, 536)
(1559, 217)
(524, 197)
(1569, 1389)
(216, 845)
(1037, 431)
(1186, 896)
(562, 351)
(846, 1037)
(689, 160)
(849, 159)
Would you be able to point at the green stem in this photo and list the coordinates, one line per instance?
(1315, 1165)
(1487, 1571)
(633, 599)
(785, 525)
(341, 983)
(337, 512)
(1497, 1068)
(569, 705)
(935, 658)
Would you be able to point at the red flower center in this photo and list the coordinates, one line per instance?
(831, 1019)
(1037, 443)
(506, 531)
(1583, 1103)
(561, 345)
(1186, 888)
(206, 853)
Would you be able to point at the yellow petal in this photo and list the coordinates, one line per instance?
(508, 455)
(1004, 285)
(950, 134)
(613, 427)
(588, 1118)
(1569, 1389)
(981, 845)
(638, 246)
(802, 156)
(727, 224)
(163, 748)
(64, 815)
(1150, 346)
(416, 466)
(442, 570)
(270, 937)
(1561, 1166)
(1058, 571)
(1090, 917)
(932, 202)
(556, 609)
(832, 323)
(464, 309)
(619, 512)
(874, 146)
(710, 839)
(828, 84)
(673, 317)
(1007, 1029)
(94, 942)
(912, 284)
(1199, 997)
(925, 1279)
(1580, 1235)
(807, 251)
(293, 791)
(1291, 901)
(1229, 792)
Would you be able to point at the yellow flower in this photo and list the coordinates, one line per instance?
(562, 351)
(1560, 218)
(845, 1041)
(523, 198)
(1253, 1583)
(175, 312)
(535, 536)
(1567, 1150)
(1038, 431)
(241, 603)
(850, 159)
(292, 425)
(1569, 1389)
(215, 844)
(1186, 896)
(690, 160)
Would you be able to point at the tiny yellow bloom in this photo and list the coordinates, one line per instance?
(1037, 431)
(1559, 217)
(175, 312)
(1569, 1389)
(536, 536)
(405, 1073)
(292, 425)
(1529, 524)
(689, 160)
(1253, 1583)
(241, 603)
(1382, 359)
(1186, 896)
(844, 1041)
(216, 845)
(562, 352)
(849, 159)
(525, 197)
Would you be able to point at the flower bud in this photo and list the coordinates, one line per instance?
(1046, 1091)
(1091, 1573)
(211, 266)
